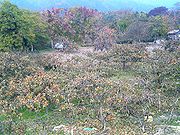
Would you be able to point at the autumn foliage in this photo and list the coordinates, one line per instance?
(121, 89)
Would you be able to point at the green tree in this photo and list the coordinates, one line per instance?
(34, 31)
(10, 37)
(123, 24)
(19, 29)
(159, 27)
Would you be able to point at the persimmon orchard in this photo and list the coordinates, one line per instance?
(104, 81)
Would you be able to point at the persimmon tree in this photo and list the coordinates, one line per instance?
(160, 83)
(124, 55)
(57, 27)
(25, 84)
(84, 22)
(104, 39)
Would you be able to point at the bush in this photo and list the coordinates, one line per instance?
(24, 83)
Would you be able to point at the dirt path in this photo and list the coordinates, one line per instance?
(168, 130)
(151, 48)
(82, 52)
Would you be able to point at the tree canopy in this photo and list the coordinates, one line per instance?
(20, 29)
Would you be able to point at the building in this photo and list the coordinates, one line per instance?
(174, 35)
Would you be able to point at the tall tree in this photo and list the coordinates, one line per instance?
(10, 25)
(159, 27)
(19, 29)
(84, 23)
(158, 11)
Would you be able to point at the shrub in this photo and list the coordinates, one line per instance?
(24, 83)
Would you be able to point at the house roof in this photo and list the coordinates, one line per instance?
(173, 32)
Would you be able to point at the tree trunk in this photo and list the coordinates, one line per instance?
(52, 44)
(102, 118)
(32, 48)
(123, 65)
(159, 102)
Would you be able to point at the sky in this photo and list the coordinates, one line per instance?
(103, 5)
